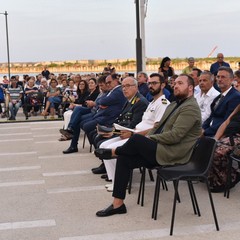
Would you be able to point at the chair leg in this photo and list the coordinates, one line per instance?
(212, 205)
(174, 205)
(150, 175)
(193, 199)
(156, 198)
(164, 185)
(90, 149)
(84, 140)
(178, 197)
(229, 175)
(130, 183)
(142, 187)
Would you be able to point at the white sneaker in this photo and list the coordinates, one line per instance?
(108, 185)
(110, 188)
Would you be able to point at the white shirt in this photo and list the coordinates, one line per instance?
(197, 90)
(153, 113)
(205, 100)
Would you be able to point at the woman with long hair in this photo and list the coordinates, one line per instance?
(165, 68)
(83, 102)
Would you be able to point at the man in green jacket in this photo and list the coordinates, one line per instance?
(170, 142)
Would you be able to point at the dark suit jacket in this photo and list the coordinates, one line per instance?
(110, 106)
(179, 134)
(221, 112)
(132, 112)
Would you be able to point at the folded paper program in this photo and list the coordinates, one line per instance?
(121, 128)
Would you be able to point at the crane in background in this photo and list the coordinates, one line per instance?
(210, 54)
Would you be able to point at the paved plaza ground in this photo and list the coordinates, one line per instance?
(46, 195)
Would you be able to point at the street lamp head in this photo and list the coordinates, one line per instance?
(5, 13)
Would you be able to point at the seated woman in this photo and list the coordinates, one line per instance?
(87, 94)
(218, 173)
(53, 97)
(30, 92)
(69, 94)
(82, 94)
(43, 88)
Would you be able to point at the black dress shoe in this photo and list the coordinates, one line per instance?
(101, 165)
(70, 150)
(108, 180)
(103, 153)
(99, 170)
(111, 211)
(104, 176)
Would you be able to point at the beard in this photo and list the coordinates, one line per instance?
(154, 92)
(181, 95)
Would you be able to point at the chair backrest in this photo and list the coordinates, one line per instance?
(203, 153)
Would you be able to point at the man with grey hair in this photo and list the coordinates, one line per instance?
(207, 94)
(189, 68)
(224, 104)
(142, 79)
(130, 116)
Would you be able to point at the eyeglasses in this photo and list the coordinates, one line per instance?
(128, 85)
(153, 83)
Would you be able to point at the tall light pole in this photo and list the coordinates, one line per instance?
(142, 17)
(8, 57)
(138, 38)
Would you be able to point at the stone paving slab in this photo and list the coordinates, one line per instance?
(46, 195)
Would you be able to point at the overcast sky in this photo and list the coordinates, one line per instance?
(42, 30)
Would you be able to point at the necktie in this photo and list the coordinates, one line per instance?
(218, 101)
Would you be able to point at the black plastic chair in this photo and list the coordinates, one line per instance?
(142, 171)
(142, 184)
(196, 169)
(84, 142)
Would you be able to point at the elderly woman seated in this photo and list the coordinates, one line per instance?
(53, 98)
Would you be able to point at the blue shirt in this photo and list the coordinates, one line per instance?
(215, 66)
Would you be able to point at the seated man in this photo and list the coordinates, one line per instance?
(195, 74)
(224, 104)
(207, 94)
(84, 112)
(130, 116)
(142, 79)
(170, 142)
(109, 107)
(14, 94)
(152, 115)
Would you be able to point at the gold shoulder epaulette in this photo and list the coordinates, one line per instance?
(164, 101)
